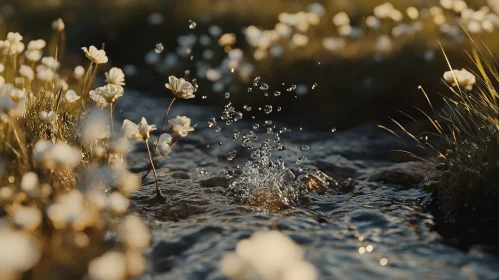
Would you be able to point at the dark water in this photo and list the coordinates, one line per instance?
(199, 223)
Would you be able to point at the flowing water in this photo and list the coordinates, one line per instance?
(350, 228)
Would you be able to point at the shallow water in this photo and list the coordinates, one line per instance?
(199, 223)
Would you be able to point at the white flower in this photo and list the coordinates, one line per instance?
(26, 72)
(48, 116)
(44, 74)
(267, 255)
(144, 128)
(383, 10)
(115, 76)
(341, 19)
(10, 107)
(110, 266)
(19, 253)
(134, 233)
(61, 84)
(30, 184)
(299, 40)
(136, 263)
(79, 72)
(50, 62)
(58, 25)
(106, 94)
(13, 44)
(95, 55)
(2, 81)
(129, 130)
(71, 96)
(28, 218)
(463, 78)
(64, 155)
(36, 44)
(227, 39)
(180, 87)
(33, 55)
(181, 125)
(70, 209)
(95, 127)
(117, 203)
(163, 144)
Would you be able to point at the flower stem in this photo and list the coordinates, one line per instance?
(86, 78)
(158, 191)
(111, 115)
(157, 140)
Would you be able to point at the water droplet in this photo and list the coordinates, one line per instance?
(218, 129)
(187, 72)
(159, 48)
(231, 155)
(268, 122)
(279, 109)
(247, 108)
(314, 85)
(212, 122)
(293, 87)
(192, 24)
(256, 126)
(250, 89)
(220, 143)
(277, 93)
(204, 97)
(333, 129)
(305, 147)
(300, 160)
(227, 95)
(255, 82)
(264, 86)
(268, 109)
(270, 131)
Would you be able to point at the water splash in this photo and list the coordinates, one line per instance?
(265, 183)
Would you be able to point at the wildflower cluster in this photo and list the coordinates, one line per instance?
(64, 181)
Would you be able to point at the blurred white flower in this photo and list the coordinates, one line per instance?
(30, 184)
(412, 12)
(50, 62)
(180, 125)
(1, 66)
(155, 19)
(317, 9)
(13, 44)
(333, 44)
(19, 253)
(115, 76)
(41, 151)
(71, 209)
(396, 15)
(462, 78)
(33, 55)
(384, 43)
(269, 256)
(71, 96)
(65, 156)
(283, 30)
(227, 39)
(17, 94)
(44, 73)
(95, 55)
(144, 128)
(383, 10)
(79, 72)
(27, 218)
(26, 72)
(110, 266)
(36, 44)
(58, 25)
(117, 203)
(136, 263)
(299, 40)
(341, 19)
(180, 87)
(48, 116)
(213, 75)
(95, 127)
(2, 81)
(134, 233)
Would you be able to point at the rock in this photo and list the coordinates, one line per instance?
(405, 174)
